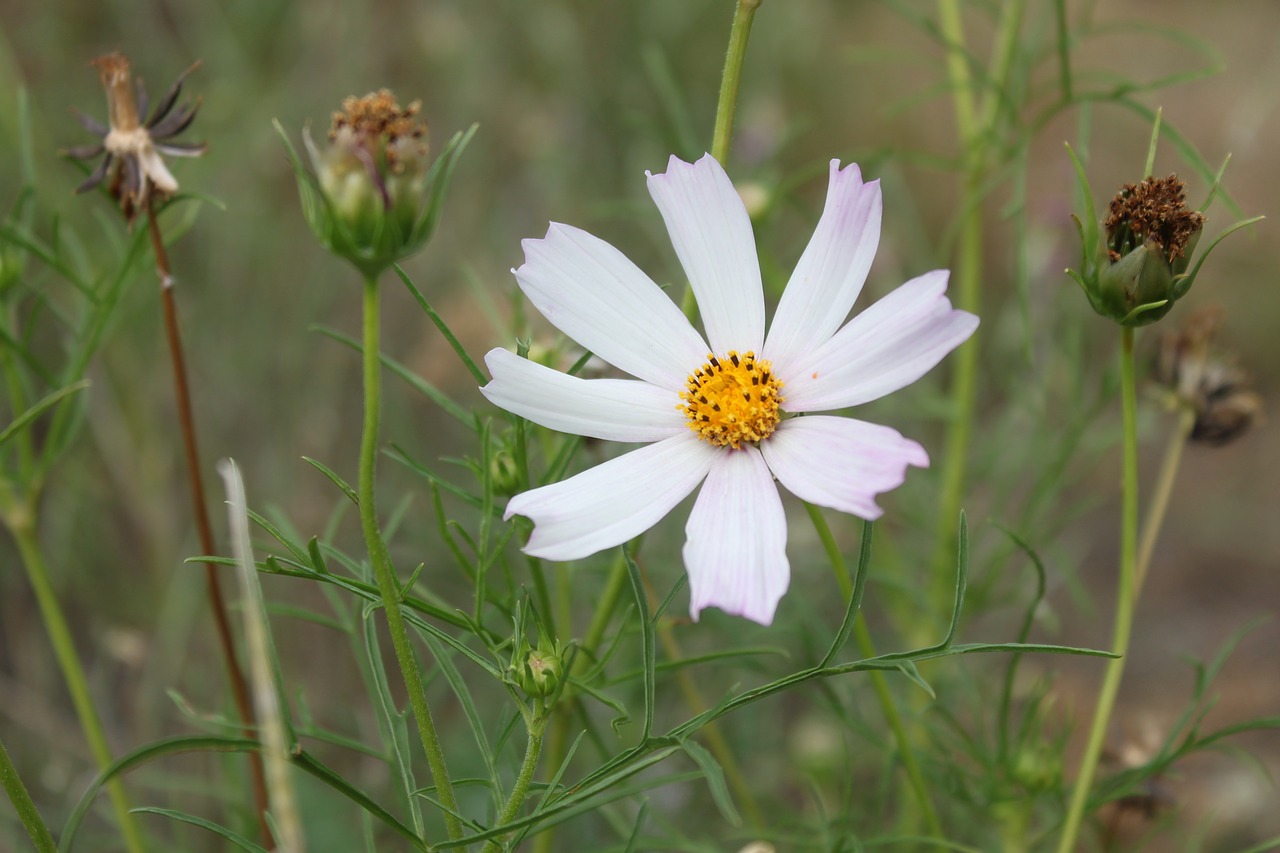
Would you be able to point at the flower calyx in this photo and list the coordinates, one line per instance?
(372, 196)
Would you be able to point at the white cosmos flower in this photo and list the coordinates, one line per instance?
(721, 413)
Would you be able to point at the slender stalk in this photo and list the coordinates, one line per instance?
(879, 683)
(200, 510)
(1125, 601)
(562, 719)
(967, 293)
(27, 813)
(727, 105)
(520, 790)
(72, 673)
(1163, 489)
(378, 557)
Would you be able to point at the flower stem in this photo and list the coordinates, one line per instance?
(726, 107)
(520, 790)
(968, 296)
(879, 683)
(200, 510)
(739, 31)
(1163, 489)
(22, 803)
(378, 557)
(1125, 601)
(55, 622)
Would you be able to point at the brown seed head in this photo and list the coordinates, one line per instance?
(1153, 211)
(1208, 382)
(378, 121)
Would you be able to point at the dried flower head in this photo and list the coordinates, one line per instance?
(1208, 382)
(130, 147)
(372, 198)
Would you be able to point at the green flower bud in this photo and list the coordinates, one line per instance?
(542, 673)
(372, 198)
(504, 473)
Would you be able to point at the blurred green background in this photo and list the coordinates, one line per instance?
(575, 99)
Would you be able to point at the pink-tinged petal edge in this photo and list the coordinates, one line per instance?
(711, 232)
(841, 463)
(590, 291)
(736, 552)
(626, 410)
(886, 347)
(613, 502)
(830, 274)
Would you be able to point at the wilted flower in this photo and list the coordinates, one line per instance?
(723, 413)
(1142, 267)
(372, 198)
(130, 148)
(1206, 381)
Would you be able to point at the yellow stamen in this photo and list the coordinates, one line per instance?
(733, 400)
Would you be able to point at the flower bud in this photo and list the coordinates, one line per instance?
(373, 197)
(541, 674)
(1150, 235)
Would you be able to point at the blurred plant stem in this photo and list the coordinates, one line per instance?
(23, 805)
(21, 521)
(744, 13)
(200, 509)
(1163, 489)
(536, 722)
(978, 140)
(388, 586)
(1126, 599)
(906, 750)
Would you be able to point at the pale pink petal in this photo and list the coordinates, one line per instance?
(612, 409)
(890, 345)
(736, 553)
(615, 501)
(832, 269)
(840, 463)
(595, 295)
(712, 235)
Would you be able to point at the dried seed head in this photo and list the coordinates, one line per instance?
(1208, 382)
(1154, 211)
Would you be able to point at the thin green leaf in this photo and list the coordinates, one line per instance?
(478, 374)
(48, 402)
(235, 838)
(714, 775)
(334, 478)
(648, 644)
(309, 763)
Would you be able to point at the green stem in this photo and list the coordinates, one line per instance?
(615, 584)
(1125, 601)
(26, 809)
(520, 790)
(967, 294)
(743, 14)
(727, 106)
(881, 685)
(64, 649)
(1163, 489)
(378, 557)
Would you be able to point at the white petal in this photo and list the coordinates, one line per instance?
(712, 235)
(890, 345)
(840, 463)
(615, 501)
(736, 553)
(595, 295)
(612, 409)
(832, 269)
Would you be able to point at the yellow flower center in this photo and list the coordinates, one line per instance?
(732, 400)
